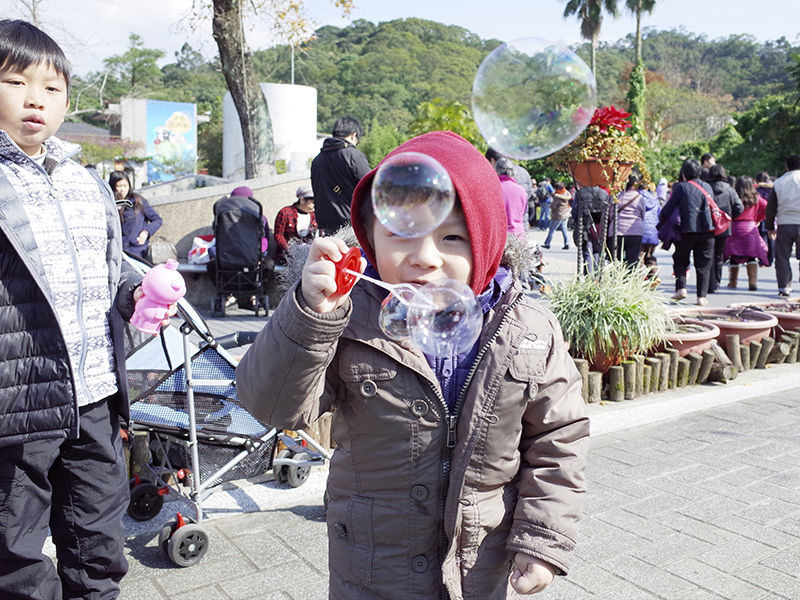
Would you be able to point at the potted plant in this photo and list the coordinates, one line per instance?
(751, 325)
(689, 335)
(603, 154)
(610, 315)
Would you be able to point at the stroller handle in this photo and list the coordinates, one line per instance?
(237, 339)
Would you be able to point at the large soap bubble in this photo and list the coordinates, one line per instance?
(445, 317)
(532, 97)
(412, 194)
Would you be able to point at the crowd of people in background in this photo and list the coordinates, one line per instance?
(678, 214)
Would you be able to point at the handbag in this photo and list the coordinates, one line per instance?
(160, 250)
(719, 217)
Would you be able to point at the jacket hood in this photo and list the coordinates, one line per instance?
(478, 189)
(333, 143)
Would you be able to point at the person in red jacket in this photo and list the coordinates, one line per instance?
(295, 222)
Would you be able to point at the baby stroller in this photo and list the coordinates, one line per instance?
(183, 395)
(240, 268)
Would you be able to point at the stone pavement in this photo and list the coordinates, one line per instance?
(699, 507)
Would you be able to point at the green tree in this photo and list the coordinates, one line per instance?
(438, 115)
(289, 20)
(637, 7)
(379, 140)
(590, 13)
(136, 70)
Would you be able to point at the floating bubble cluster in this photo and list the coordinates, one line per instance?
(531, 97)
(412, 194)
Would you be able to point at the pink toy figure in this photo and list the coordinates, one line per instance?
(162, 285)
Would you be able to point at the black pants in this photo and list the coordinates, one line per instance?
(627, 244)
(78, 488)
(719, 261)
(701, 247)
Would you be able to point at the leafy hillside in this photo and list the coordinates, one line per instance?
(382, 73)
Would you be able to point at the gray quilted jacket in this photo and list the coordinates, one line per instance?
(37, 386)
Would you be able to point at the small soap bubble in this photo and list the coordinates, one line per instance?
(531, 97)
(412, 194)
(393, 318)
(445, 317)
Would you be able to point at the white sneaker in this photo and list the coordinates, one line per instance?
(680, 294)
(702, 301)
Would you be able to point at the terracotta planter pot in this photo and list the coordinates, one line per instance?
(695, 341)
(751, 325)
(787, 312)
(600, 171)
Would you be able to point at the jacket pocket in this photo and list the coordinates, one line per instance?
(360, 541)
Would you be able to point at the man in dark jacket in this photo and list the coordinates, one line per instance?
(335, 172)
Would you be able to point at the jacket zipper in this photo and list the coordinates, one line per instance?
(79, 281)
(451, 421)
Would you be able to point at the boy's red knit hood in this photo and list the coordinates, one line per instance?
(478, 189)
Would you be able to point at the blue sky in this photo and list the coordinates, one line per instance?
(100, 28)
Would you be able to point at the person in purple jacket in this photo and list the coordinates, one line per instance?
(630, 213)
(139, 220)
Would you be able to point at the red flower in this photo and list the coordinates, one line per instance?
(609, 117)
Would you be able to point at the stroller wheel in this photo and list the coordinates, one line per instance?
(163, 537)
(297, 476)
(281, 473)
(145, 502)
(188, 545)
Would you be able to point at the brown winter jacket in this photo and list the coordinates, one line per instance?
(559, 210)
(420, 497)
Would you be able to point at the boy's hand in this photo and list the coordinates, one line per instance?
(531, 574)
(319, 274)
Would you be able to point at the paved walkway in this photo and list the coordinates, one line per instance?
(703, 506)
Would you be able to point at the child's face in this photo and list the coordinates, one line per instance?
(32, 105)
(445, 253)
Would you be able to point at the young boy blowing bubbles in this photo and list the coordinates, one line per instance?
(64, 293)
(459, 471)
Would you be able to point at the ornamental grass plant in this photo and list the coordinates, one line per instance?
(611, 314)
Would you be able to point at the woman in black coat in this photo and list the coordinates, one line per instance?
(697, 230)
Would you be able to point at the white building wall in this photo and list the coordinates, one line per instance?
(293, 111)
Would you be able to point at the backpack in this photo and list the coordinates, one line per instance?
(541, 192)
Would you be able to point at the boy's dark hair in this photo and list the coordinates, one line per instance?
(22, 45)
(793, 163)
(717, 173)
(346, 126)
(690, 169)
(763, 177)
(706, 157)
(492, 154)
(650, 261)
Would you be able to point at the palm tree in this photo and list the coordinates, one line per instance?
(638, 7)
(590, 12)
